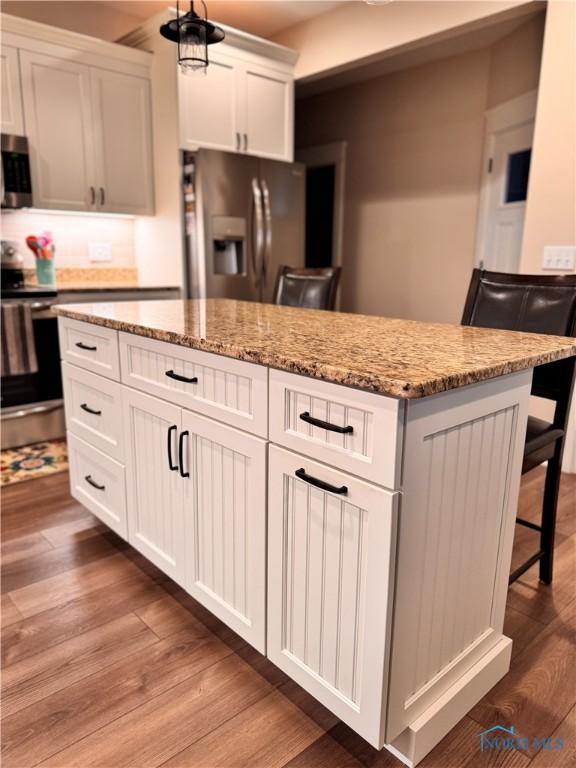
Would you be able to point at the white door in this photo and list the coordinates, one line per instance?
(330, 580)
(59, 126)
(12, 120)
(208, 106)
(225, 519)
(153, 483)
(123, 136)
(269, 113)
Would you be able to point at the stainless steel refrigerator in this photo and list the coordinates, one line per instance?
(244, 217)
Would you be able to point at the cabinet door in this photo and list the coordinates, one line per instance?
(225, 513)
(330, 582)
(58, 115)
(209, 106)
(153, 490)
(123, 135)
(269, 113)
(11, 88)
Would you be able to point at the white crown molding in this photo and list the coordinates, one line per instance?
(235, 38)
(14, 25)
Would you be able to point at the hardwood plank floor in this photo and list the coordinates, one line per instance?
(108, 663)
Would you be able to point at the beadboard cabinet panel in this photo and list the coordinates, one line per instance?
(225, 514)
(59, 125)
(154, 492)
(12, 118)
(123, 142)
(330, 581)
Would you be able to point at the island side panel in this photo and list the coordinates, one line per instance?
(461, 475)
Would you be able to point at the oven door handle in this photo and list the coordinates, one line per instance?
(20, 413)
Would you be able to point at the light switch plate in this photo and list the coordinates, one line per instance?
(100, 251)
(560, 257)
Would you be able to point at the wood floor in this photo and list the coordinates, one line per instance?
(107, 663)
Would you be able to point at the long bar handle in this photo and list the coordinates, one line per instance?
(172, 467)
(267, 230)
(183, 434)
(302, 475)
(325, 424)
(258, 235)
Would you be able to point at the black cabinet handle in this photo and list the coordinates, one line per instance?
(179, 377)
(85, 346)
(90, 410)
(94, 484)
(172, 467)
(301, 473)
(325, 424)
(181, 453)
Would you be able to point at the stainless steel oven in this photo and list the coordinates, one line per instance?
(32, 405)
(16, 179)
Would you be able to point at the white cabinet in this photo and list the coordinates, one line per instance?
(12, 119)
(123, 141)
(59, 126)
(89, 131)
(331, 543)
(208, 104)
(269, 119)
(225, 514)
(238, 106)
(153, 482)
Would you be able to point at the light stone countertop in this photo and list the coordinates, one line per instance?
(399, 358)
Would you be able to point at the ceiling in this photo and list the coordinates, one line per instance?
(110, 19)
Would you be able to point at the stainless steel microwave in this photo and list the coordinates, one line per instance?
(16, 180)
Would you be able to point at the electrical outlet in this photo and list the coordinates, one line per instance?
(561, 257)
(100, 251)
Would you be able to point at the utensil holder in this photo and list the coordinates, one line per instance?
(45, 272)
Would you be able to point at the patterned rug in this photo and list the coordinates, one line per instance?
(32, 461)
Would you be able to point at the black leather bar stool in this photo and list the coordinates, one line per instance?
(538, 304)
(310, 288)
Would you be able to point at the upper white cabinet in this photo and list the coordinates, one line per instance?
(123, 142)
(208, 106)
(238, 106)
(12, 120)
(85, 107)
(59, 125)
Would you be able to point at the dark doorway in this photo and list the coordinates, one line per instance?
(320, 188)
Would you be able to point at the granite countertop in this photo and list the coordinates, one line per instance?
(399, 358)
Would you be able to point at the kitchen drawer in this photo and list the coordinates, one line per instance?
(98, 482)
(371, 446)
(90, 346)
(230, 390)
(94, 409)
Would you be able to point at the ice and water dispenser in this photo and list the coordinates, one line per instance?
(229, 245)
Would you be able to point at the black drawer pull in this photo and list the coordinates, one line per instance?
(325, 424)
(94, 484)
(87, 408)
(179, 377)
(85, 346)
(171, 466)
(301, 473)
(181, 453)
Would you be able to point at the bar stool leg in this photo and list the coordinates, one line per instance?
(549, 506)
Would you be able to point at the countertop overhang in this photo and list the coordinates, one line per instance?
(399, 358)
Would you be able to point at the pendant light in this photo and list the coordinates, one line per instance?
(193, 34)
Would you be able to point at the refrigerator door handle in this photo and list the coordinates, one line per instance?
(267, 231)
(258, 238)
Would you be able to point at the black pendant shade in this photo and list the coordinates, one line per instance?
(193, 34)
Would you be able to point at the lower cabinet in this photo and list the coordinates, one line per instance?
(331, 543)
(197, 507)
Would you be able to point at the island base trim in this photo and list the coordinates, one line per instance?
(413, 744)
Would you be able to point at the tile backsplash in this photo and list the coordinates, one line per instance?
(72, 234)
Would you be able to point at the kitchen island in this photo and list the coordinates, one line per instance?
(340, 490)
